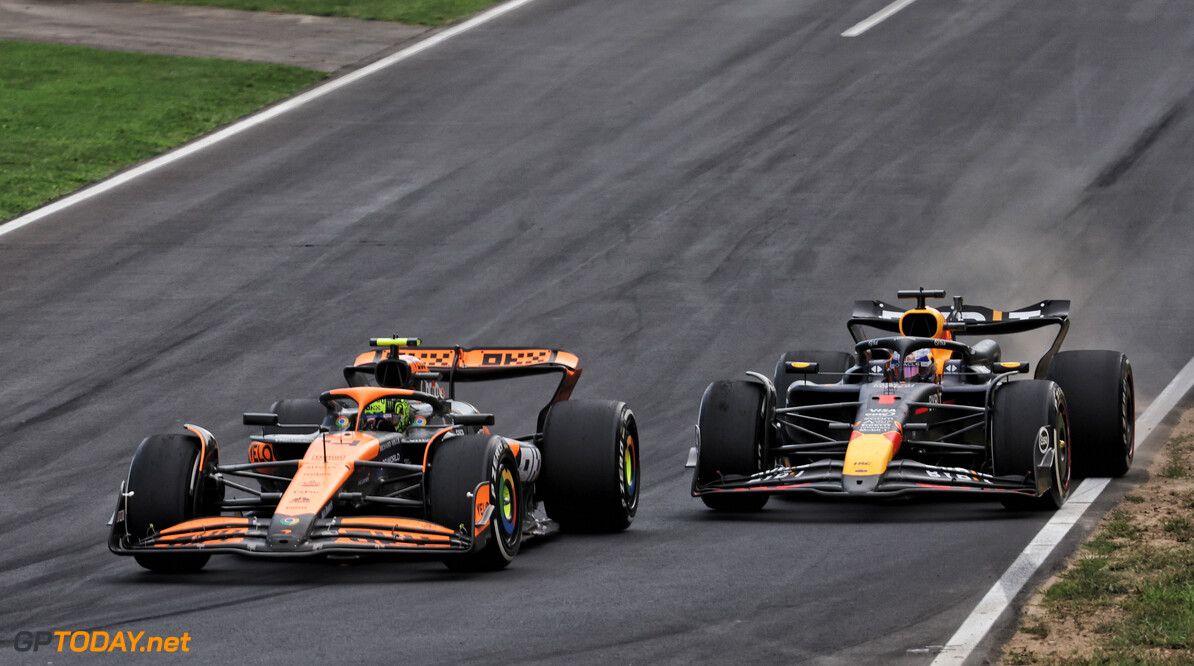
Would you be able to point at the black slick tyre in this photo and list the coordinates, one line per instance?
(733, 431)
(1026, 413)
(159, 483)
(1101, 394)
(590, 476)
(461, 469)
(831, 365)
(296, 416)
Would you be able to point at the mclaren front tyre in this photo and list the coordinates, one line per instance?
(166, 487)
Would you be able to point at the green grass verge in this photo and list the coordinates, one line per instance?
(419, 12)
(1133, 584)
(70, 116)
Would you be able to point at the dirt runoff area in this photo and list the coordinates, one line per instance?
(1098, 610)
(314, 42)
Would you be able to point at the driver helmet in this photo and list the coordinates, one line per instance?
(919, 366)
(387, 415)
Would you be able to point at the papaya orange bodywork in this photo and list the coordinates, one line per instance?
(323, 470)
(234, 535)
(199, 524)
(202, 445)
(395, 524)
(385, 544)
(376, 536)
(482, 503)
(370, 357)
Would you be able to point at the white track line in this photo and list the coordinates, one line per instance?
(259, 118)
(983, 617)
(877, 18)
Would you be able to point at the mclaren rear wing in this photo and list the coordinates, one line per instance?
(459, 364)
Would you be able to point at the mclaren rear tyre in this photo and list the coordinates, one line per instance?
(1101, 394)
(590, 476)
(463, 471)
(161, 496)
(1029, 419)
(363, 375)
(831, 365)
(733, 428)
(297, 416)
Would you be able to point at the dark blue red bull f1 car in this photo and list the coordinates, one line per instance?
(916, 409)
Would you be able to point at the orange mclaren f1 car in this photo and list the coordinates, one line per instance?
(392, 465)
(920, 411)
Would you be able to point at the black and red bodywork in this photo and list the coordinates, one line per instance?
(865, 431)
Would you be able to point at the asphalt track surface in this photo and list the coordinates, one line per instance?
(676, 192)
